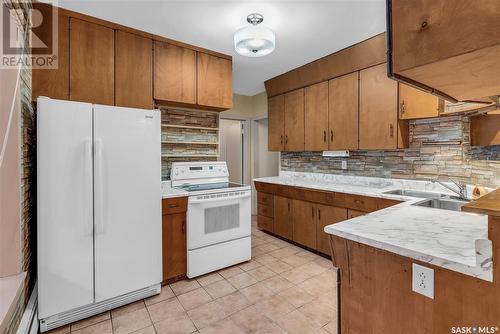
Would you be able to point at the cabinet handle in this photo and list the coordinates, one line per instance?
(288, 206)
(312, 213)
(391, 130)
(324, 136)
(184, 227)
(403, 107)
(286, 139)
(171, 206)
(319, 214)
(331, 135)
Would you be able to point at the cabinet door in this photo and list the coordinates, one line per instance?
(304, 223)
(316, 117)
(378, 114)
(174, 73)
(174, 246)
(414, 103)
(52, 83)
(276, 125)
(134, 70)
(294, 120)
(327, 215)
(91, 77)
(283, 225)
(343, 112)
(215, 81)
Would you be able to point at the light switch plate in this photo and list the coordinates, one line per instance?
(344, 164)
(423, 280)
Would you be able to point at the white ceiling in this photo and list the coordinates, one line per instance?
(305, 30)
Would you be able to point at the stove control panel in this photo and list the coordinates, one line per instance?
(198, 170)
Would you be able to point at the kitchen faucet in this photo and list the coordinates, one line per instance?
(461, 186)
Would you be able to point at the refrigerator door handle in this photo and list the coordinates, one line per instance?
(89, 223)
(99, 211)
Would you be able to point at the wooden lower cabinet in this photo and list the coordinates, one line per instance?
(351, 213)
(283, 224)
(174, 239)
(327, 215)
(304, 223)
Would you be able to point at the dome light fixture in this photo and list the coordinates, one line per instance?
(254, 40)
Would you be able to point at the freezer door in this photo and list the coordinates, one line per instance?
(64, 204)
(127, 199)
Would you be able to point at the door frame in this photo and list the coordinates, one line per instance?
(246, 145)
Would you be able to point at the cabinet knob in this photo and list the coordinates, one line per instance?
(286, 139)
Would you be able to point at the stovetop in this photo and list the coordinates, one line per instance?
(210, 186)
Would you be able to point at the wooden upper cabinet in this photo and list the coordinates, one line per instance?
(452, 47)
(214, 81)
(53, 83)
(276, 123)
(304, 223)
(134, 70)
(485, 130)
(414, 103)
(316, 117)
(294, 120)
(343, 112)
(91, 63)
(378, 112)
(174, 73)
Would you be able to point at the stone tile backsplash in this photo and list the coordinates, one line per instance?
(439, 147)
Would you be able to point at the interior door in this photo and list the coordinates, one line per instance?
(64, 204)
(231, 148)
(127, 167)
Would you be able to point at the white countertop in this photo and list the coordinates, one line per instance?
(453, 240)
(168, 192)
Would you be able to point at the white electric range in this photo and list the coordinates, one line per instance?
(218, 217)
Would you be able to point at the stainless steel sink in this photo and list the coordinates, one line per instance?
(413, 193)
(443, 203)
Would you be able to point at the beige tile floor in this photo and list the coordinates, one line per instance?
(283, 289)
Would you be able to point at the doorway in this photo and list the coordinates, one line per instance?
(265, 163)
(232, 147)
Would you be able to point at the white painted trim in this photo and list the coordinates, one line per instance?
(246, 145)
(29, 321)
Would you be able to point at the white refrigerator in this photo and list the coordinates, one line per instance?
(99, 208)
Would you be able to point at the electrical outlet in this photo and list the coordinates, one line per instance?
(344, 164)
(423, 280)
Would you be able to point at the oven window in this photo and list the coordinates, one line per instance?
(222, 218)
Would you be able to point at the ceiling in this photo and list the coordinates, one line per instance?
(305, 30)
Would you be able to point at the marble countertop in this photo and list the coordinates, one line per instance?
(449, 239)
(168, 192)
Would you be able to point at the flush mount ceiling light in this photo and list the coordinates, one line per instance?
(254, 40)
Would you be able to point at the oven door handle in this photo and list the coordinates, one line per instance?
(194, 200)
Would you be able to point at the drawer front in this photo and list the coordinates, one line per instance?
(363, 203)
(265, 198)
(265, 223)
(354, 213)
(265, 210)
(265, 187)
(174, 205)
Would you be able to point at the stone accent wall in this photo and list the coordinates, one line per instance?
(186, 118)
(439, 147)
